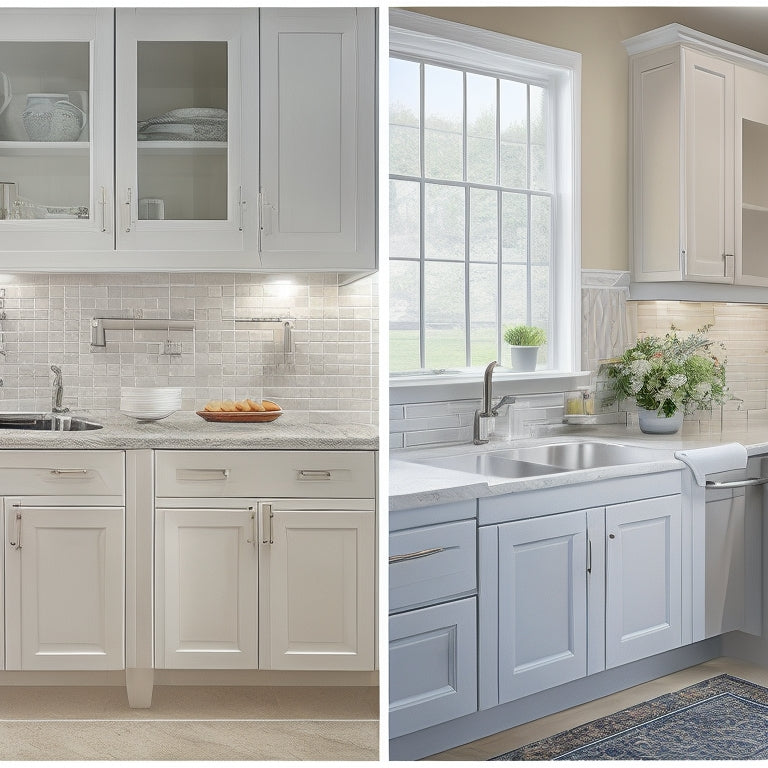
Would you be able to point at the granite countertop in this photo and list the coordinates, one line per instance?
(186, 430)
(413, 485)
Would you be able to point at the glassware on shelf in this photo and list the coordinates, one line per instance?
(51, 117)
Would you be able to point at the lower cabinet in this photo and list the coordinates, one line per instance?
(432, 665)
(643, 584)
(64, 587)
(207, 588)
(543, 620)
(245, 580)
(318, 564)
(542, 603)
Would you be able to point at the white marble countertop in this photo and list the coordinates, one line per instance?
(413, 485)
(187, 430)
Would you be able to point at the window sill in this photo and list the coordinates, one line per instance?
(464, 386)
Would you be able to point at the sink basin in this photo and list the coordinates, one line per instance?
(46, 422)
(583, 455)
(492, 465)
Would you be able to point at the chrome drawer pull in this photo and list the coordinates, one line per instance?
(202, 474)
(267, 532)
(17, 544)
(69, 471)
(416, 555)
(737, 483)
(314, 474)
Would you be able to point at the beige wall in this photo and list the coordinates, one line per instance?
(597, 33)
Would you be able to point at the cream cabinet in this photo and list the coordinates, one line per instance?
(318, 88)
(64, 560)
(265, 559)
(206, 143)
(699, 153)
(317, 565)
(682, 166)
(207, 588)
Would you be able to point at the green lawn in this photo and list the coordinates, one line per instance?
(445, 348)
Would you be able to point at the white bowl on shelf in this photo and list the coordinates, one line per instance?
(149, 403)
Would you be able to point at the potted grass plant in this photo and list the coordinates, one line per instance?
(524, 342)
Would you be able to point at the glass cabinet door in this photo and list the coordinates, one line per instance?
(179, 106)
(56, 119)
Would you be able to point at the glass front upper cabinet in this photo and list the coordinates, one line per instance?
(56, 126)
(179, 156)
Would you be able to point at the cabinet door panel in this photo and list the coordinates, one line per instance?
(65, 610)
(56, 160)
(643, 579)
(542, 603)
(321, 588)
(318, 178)
(180, 185)
(207, 579)
(432, 665)
(709, 98)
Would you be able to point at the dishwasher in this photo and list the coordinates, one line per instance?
(732, 532)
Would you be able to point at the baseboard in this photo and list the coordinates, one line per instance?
(430, 741)
(196, 677)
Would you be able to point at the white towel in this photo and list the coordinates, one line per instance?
(719, 458)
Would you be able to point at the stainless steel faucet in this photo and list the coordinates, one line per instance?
(58, 391)
(488, 410)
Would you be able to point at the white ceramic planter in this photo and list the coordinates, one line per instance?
(654, 424)
(523, 358)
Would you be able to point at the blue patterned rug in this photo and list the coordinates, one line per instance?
(723, 718)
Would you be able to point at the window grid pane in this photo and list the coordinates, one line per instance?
(486, 214)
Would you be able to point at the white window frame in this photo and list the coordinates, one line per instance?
(440, 42)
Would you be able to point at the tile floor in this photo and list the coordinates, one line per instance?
(190, 723)
(498, 743)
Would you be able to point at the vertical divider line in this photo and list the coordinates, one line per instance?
(499, 271)
(422, 220)
(465, 176)
(529, 276)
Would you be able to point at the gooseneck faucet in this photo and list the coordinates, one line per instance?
(488, 410)
(58, 391)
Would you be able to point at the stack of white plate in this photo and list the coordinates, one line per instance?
(149, 403)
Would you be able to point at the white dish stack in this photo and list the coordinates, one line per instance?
(149, 403)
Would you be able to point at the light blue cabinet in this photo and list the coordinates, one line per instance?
(432, 665)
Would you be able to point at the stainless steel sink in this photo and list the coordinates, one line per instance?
(46, 422)
(584, 455)
(491, 465)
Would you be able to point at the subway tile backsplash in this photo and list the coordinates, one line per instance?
(332, 373)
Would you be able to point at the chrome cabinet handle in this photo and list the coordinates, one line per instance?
(315, 474)
(103, 208)
(127, 209)
(253, 538)
(266, 524)
(415, 555)
(241, 206)
(729, 259)
(17, 544)
(202, 474)
(59, 472)
(737, 483)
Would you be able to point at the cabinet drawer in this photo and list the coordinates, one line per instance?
(53, 473)
(431, 563)
(432, 666)
(215, 474)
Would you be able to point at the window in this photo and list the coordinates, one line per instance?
(481, 198)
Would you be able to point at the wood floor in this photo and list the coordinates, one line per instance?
(499, 743)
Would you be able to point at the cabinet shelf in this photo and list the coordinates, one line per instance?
(44, 148)
(182, 147)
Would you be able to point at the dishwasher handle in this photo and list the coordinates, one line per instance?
(737, 483)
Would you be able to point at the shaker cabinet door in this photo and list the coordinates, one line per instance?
(206, 572)
(317, 138)
(64, 587)
(320, 606)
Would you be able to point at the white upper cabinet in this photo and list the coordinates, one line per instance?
(317, 138)
(141, 145)
(56, 130)
(180, 113)
(699, 149)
